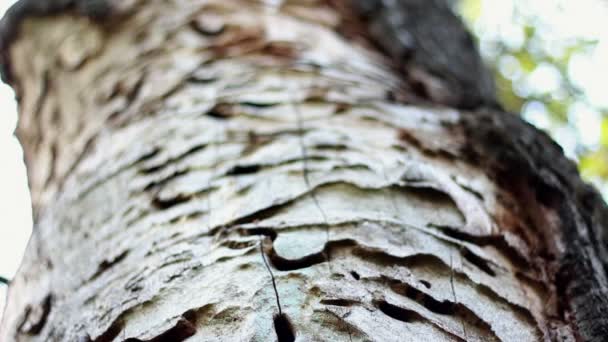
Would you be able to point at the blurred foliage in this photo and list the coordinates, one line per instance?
(546, 59)
(543, 69)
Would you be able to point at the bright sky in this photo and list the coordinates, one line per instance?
(566, 18)
(14, 200)
(559, 21)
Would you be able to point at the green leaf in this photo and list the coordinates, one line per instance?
(470, 10)
(604, 133)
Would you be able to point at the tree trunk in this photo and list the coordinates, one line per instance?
(231, 170)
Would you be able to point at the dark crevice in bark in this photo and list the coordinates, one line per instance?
(430, 260)
(221, 111)
(409, 138)
(196, 79)
(355, 275)
(283, 264)
(479, 262)
(259, 104)
(520, 312)
(260, 215)
(164, 180)
(338, 302)
(284, 328)
(209, 31)
(107, 264)
(130, 94)
(497, 241)
(35, 318)
(331, 147)
(383, 258)
(111, 333)
(268, 232)
(157, 166)
(398, 313)
(239, 170)
(470, 190)
(85, 151)
(441, 307)
(410, 316)
(166, 203)
(425, 283)
(445, 307)
(183, 329)
(428, 192)
(153, 152)
(237, 245)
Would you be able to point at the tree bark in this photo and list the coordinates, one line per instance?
(231, 170)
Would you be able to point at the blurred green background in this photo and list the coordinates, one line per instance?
(550, 61)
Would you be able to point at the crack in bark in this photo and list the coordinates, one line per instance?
(274, 284)
(184, 327)
(167, 203)
(107, 264)
(239, 170)
(464, 330)
(181, 331)
(338, 302)
(284, 264)
(35, 318)
(160, 165)
(479, 262)
(88, 188)
(412, 261)
(111, 332)
(462, 312)
(305, 169)
(499, 242)
(398, 313)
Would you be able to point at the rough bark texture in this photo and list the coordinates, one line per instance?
(234, 170)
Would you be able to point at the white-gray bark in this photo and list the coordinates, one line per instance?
(229, 170)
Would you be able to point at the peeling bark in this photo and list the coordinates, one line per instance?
(209, 170)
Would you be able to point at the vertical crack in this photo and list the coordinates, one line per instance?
(282, 326)
(305, 169)
(464, 329)
(274, 283)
